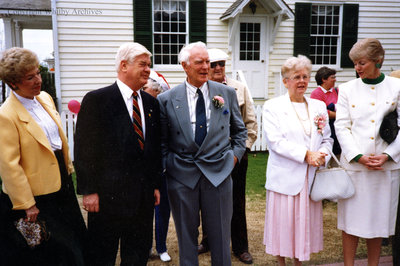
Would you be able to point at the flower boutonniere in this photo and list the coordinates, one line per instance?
(320, 122)
(218, 101)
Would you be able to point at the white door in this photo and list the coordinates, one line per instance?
(250, 54)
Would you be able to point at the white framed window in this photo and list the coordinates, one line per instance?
(325, 35)
(325, 32)
(170, 30)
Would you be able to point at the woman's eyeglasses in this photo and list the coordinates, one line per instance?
(300, 77)
(220, 63)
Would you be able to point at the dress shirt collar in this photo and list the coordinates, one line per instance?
(29, 104)
(125, 90)
(193, 90)
(323, 90)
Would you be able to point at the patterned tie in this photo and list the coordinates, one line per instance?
(201, 126)
(137, 121)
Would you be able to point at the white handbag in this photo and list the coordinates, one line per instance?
(332, 183)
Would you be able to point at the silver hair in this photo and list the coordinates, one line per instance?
(129, 51)
(296, 63)
(154, 85)
(185, 52)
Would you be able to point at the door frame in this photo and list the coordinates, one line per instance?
(263, 19)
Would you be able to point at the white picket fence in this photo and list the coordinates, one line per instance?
(69, 119)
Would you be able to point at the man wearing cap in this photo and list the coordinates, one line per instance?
(238, 224)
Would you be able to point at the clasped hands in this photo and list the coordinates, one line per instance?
(315, 158)
(374, 162)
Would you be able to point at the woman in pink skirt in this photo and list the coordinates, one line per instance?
(298, 137)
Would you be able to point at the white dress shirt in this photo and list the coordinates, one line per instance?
(127, 95)
(192, 100)
(44, 120)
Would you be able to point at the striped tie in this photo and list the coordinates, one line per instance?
(137, 121)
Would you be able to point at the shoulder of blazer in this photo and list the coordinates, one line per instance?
(235, 83)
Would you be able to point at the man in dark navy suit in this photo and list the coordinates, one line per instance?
(118, 161)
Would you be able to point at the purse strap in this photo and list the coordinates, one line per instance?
(334, 157)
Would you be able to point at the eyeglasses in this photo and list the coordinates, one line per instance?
(297, 78)
(220, 63)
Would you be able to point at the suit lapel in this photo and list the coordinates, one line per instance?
(181, 109)
(31, 126)
(215, 114)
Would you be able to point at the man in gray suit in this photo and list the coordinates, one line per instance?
(203, 137)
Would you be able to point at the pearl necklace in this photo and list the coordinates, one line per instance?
(307, 132)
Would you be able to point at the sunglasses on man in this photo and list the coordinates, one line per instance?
(220, 63)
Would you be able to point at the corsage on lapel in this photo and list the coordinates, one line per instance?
(218, 101)
(320, 122)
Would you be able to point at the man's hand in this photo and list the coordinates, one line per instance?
(156, 197)
(31, 214)
(91, 202)
(235, 160)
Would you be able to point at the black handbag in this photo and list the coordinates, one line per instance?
(389, 128)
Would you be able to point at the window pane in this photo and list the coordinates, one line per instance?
(170, 18)
(157, 26)
(174, 59)
(165, 59)
(182, 27)
(256, 55)
(250, 41)
(174, 27)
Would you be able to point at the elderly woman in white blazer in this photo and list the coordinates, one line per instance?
(372, 163)
(297, 146)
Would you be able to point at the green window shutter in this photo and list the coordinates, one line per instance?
(349, 32)
(197, 21)
(143, 22)
(302, 24)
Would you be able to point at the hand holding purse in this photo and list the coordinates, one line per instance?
(332, 183)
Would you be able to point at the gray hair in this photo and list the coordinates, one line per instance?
(154, 85)
(129, 51)
(186, 50)
(295, 64)
(370, 48)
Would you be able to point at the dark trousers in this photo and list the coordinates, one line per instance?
(396, 239)
(162, 215)
(61, 214)
(238, 223)
(133, 233)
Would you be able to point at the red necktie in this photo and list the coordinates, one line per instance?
(137, 121)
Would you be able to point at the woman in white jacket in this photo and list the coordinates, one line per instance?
(298, 143)
(373, 164)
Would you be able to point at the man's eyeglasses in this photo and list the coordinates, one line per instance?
(220, 63)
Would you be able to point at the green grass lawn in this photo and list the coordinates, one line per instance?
(255, 183)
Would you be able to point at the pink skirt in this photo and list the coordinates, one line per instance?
(293, 225)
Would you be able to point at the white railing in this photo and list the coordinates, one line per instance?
(260, 144)
(68, 120)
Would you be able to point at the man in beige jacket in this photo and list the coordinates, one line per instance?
(238, 224)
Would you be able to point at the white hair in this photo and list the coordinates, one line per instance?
(296, 63)
(186, 50)
(129, 51)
